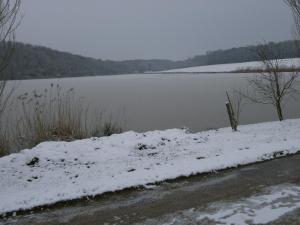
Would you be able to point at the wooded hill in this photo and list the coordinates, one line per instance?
(30, 62)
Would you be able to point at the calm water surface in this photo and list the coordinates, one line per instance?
(158, 101)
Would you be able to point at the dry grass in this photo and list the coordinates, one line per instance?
(259, 70)
(54, 114)
(4, 142)
(110, 128)
(5, 137)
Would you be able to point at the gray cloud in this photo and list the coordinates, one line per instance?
(172, 29)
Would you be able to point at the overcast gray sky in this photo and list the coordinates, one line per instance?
(171, 29)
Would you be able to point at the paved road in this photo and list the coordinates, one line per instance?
(266, 193)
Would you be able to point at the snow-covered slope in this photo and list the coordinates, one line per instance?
(284, 63)
(56, 171)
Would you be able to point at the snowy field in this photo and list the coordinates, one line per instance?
(226, 68)
(56, 171)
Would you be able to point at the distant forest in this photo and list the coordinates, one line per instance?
(30, 62)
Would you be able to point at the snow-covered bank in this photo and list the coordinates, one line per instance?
(56, 171)
(233, 67)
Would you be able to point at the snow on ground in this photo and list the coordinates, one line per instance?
(263, 208)
(56, 171)
(232, 67)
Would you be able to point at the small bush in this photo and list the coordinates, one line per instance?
(110, 128)
(4, 142)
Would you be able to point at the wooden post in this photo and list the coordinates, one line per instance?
(230, 115)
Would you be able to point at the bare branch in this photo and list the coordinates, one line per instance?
(295, 7)
(272, 86)
(8, 23)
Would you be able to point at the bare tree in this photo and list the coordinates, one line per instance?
(8, 23)
(272, 85)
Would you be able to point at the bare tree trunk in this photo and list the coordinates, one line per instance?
(279, 111)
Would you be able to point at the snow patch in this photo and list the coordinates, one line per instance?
(232, 67)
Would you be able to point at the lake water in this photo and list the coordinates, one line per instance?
(161, 101)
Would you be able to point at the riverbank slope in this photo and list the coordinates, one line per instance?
(60, 171)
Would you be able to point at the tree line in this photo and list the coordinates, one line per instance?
(30, 62)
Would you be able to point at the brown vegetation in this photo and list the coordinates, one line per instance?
(53, 115)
